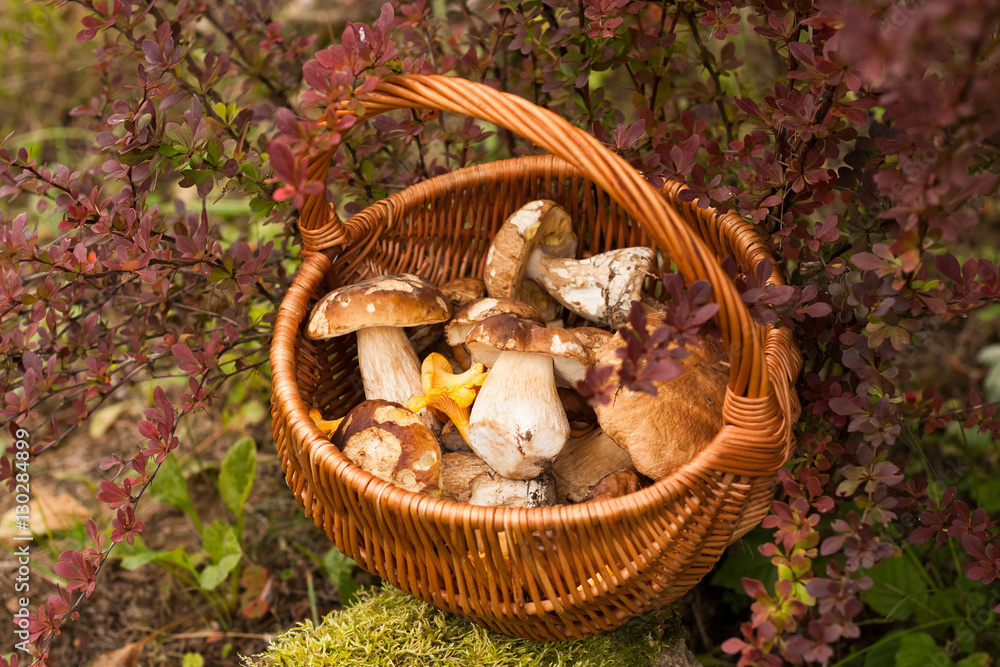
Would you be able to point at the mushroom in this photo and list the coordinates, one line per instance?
(615, 485)
(445, 394)
(537, 242)
(663, 432)
(393, 444)
(328, 427)
(478, 310)
(538, 223)
(458, 470)
(517, 423)
(570, 358)
(377, 309)
(584, 461)
(494, 489)
(461, 291)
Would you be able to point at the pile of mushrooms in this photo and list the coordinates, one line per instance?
(491, 416)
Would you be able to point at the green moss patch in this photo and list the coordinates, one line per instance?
(389, 628)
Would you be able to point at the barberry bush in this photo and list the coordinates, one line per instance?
(860, 136)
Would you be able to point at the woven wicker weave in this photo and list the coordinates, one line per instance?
(554, 572)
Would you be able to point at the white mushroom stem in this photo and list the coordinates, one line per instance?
(517, 423)
(600, 288)
(487, 489)
(390, 369)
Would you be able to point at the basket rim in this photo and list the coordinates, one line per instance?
(668, 489)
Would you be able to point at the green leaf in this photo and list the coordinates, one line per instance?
(220, 540)
(897, 583)
(339, 570)
(920, 650)
(137, 560)
(169, 487)
(974, 660)
(178, 557)
(882, 655)
(239, 469)
(213, 575)
(261, 205)
(193, 660)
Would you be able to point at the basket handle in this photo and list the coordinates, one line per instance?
(322, 228)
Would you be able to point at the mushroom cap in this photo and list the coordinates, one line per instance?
(614, 485)
(393, 444)
(503, 333)
(478, 310)
(540, 223)
(397, 300)
(461, 291)
(592, 338)
(663, 432)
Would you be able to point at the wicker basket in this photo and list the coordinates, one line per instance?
(555, 572)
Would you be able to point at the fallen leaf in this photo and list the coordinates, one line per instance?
(126, 656)
(101, 421)
(46, 513)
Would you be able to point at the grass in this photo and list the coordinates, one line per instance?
(388, 627)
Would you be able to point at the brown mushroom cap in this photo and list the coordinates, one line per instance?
(540, 223)
(591, 338)
(478, 310)
(461, 291)
(503, 333)
(397, 300)
(393, 444)
(614, 485)
(663, 432)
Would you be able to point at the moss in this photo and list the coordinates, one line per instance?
(389, 628)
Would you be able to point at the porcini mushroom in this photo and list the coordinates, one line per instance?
(446, 394)
(517, 423)
(377, 309)
(570, 358)
(537, 242)
(663, 432)
(478, 310)
(393, 444)
(538, 223)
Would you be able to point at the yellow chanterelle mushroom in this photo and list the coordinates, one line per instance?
(447, 394)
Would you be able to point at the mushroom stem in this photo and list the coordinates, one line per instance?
(390, 369)
(518, 423)
(600, 288)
